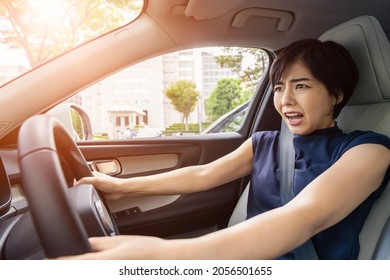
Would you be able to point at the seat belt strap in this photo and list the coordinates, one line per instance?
(287, 166)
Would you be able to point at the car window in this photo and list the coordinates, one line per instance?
(230, 122)
(180, 93)
(33, 32)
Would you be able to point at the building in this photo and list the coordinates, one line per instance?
(140, 90)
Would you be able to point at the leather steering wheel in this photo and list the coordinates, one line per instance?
(44, 148)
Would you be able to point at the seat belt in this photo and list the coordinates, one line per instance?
(287, 165)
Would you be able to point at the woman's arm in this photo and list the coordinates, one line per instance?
(185, 180)
(324, 202)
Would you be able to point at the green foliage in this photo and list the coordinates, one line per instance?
(184, 96)
(233, 62)
(77, 124)
(44, 29)
(227, 95)
(251, 63)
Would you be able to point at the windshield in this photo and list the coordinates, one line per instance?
(34, 31)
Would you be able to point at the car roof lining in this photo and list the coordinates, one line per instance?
(202, 15)
(206, 9)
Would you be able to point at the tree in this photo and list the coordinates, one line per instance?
(227, 95)
(183, 96)
(234, 58)
(46, 28)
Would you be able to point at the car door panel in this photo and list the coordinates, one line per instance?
(168, 215)
(188, 213)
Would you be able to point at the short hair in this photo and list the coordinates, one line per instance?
(329, 62)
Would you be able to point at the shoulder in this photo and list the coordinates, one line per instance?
(358, 137)
(265, 135)
(264, 138)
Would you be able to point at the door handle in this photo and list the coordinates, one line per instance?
(108, 166)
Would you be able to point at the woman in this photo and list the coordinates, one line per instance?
(312, 81)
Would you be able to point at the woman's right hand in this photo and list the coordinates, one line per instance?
(110, 186)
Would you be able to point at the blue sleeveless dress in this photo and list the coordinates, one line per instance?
(314, 153)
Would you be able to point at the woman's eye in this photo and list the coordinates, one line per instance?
(300, 86)
(277, 89)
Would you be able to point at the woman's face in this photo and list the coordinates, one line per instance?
(303, 102)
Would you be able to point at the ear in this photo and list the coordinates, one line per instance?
(339, 97)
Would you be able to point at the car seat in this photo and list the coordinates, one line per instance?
(368, 109)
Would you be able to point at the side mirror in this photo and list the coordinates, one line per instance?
(75, 120)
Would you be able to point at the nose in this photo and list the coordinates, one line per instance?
(288, 97)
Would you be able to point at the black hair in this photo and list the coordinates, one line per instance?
(329, 62)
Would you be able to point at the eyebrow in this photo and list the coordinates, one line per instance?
(297, 80)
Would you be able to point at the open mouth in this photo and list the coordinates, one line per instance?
(294, 118)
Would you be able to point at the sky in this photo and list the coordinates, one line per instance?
(13, 57)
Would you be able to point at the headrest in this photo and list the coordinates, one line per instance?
(368, 45)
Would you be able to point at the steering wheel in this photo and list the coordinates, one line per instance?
(63, 217)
